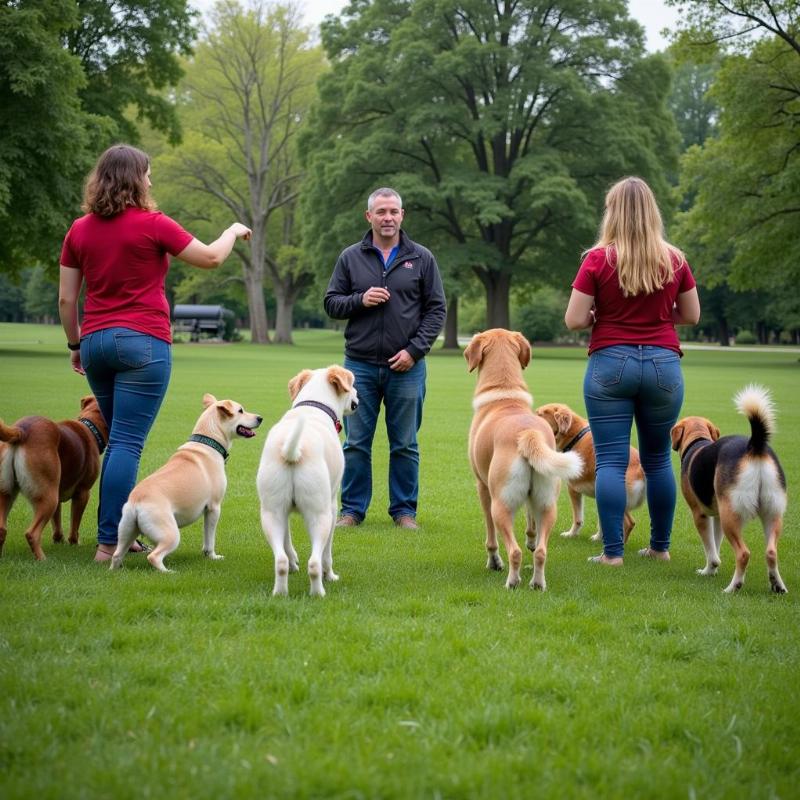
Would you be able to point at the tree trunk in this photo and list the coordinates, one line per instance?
(451, 325)
(498, 292)
(254, 286)
(283, 318)
(724, 332)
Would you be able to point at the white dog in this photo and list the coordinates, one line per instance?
(301, 468)
(191, 483)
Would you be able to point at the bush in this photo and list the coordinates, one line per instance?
(745, 337)
(541, 317)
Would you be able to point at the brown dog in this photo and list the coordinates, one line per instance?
(513, 453)
(51, 463)
(728, 481)
(572, 433)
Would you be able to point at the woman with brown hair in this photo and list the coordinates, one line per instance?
(120, 250)
(632, 288)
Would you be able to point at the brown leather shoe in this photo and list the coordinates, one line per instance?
(347, 521)
(407, 522)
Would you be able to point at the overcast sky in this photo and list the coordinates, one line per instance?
(654, 15)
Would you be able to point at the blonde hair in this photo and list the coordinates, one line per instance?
(632, 229)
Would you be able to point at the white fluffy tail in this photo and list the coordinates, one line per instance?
(291, 452)
(756, 404)
(545, 460)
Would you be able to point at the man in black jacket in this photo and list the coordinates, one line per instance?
(389, 290)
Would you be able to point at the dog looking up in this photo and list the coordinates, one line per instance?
(191, 483)
(572, 433)
(513, 453)
(301, 469)
(730, 480)
(51, 463)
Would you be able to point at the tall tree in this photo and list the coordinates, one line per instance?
(501, 123)
(44, 132)
(746, 180)
(129, 51)
(245, 97)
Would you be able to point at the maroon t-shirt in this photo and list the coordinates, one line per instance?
(640, 319)
(124, 264)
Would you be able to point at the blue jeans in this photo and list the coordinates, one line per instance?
(402, 394)
(623, 383)
(128, 373)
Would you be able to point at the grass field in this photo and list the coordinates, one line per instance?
(418, 675)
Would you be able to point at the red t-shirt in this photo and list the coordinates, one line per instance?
(124, 264)
(641, 319)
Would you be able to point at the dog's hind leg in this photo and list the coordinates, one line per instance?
(288, 546)
(494, 561)
(126, 533)
(210, 520)
(710, 533)
(772, 532)
(503, 520)
(44, 507)
(732, 528)
(276, 528)
(327, 554)
(6, 501)
(58, 531)
(545, 520)
(318, 525)
(531, 531)
(628, 524)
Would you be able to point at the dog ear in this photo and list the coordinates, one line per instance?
(224, 409)
(85, 401)
(208, 400)
(340, 378)
(677, 436)
(298, 382)
(524, 349)
(563, 420)
(714, 431)
(474, 352)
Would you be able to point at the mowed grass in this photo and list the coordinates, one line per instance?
(418, 675)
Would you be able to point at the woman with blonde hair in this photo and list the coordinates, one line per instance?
(632, 288)
(120, 251)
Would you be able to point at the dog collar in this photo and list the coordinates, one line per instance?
(691, 448)
(575, 439)
(98, 437)
(212, 443)
(322, 407)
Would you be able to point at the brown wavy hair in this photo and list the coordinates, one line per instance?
(118, 180)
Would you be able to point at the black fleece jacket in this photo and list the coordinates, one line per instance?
(410, 319)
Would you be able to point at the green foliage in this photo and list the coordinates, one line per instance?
(494, 123)
(540, 315)
(418, 675)
(746, 337)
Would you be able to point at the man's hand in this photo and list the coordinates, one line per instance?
(374, 296)
(401, 362)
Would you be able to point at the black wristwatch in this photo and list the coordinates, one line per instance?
(73, 347)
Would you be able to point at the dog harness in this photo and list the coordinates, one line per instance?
(212, 443)
(578, 436)
(322, 407)
(98, 437)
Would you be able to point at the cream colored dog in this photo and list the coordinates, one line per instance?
(301, 469)
(572, 433)
(191, 483)
(513, 453)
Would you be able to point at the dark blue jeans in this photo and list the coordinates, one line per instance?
(625, 383)
(128, 373)
(402, 394)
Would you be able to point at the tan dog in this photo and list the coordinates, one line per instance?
(191, 483)
(301, 469)
(728, 481)
(51, 463)
(513, 453)
(572, 433)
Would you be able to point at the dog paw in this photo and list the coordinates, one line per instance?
(540, 585)
(512, 583)
(331, 576)
(215, 556)
(294, 566)
(494, 562)
(707, 570)
(570, 534)
(596, 537)
(733, 587)
(777, 585)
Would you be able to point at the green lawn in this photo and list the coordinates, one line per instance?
(418, 675)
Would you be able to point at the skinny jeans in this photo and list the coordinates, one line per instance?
(624, 383)
(128, 373)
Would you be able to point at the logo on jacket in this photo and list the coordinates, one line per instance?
(408, 265)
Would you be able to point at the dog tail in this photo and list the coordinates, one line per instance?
(756, 404)
(532, 446)
(291, 452)
(11, 434)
